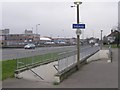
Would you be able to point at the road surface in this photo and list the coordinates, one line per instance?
(9, 54)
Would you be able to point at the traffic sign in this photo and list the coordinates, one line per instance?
(78, 32)
(78, 26)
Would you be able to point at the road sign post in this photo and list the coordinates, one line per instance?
(78, 26)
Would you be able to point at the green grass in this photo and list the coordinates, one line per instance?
(112, 46)
(9, 66)
(115, 46)
(55, 83)
(0, 70)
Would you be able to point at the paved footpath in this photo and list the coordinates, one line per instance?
(97, 74)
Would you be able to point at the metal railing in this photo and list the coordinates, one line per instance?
(67, 59)
(33, 61)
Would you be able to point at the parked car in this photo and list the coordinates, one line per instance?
(61, 42)
(29, 46)
(49, 42)
(96, 44)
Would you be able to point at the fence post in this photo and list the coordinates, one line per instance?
(25, 59)
(33, 60)
(17, 62)
(52, 57)
(58, 63)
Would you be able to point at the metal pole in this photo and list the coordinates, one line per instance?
(101, 39)
(118, 39)
(36, 29)
(78, 32)
(78, 40)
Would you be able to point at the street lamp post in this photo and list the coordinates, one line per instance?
(78, 32)
(37, 28)
(101, 40)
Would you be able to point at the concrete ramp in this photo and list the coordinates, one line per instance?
(102, 54)
(46, 72)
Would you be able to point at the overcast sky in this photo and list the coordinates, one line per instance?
(56, 18)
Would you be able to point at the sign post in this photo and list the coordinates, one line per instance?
(78, 26)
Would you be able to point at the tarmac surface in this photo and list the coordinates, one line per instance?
(97, 74)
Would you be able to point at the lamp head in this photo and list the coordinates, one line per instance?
(78, 3)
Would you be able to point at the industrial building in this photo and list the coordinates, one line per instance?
(20, 40)
(7, 39)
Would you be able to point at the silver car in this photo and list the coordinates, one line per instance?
(29, 46)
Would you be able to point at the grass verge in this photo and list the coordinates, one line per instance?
(112, 46)
(9, 66)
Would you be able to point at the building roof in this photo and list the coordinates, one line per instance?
(112, 34)
(44, 38)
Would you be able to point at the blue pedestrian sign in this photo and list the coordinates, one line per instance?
(78, 26)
